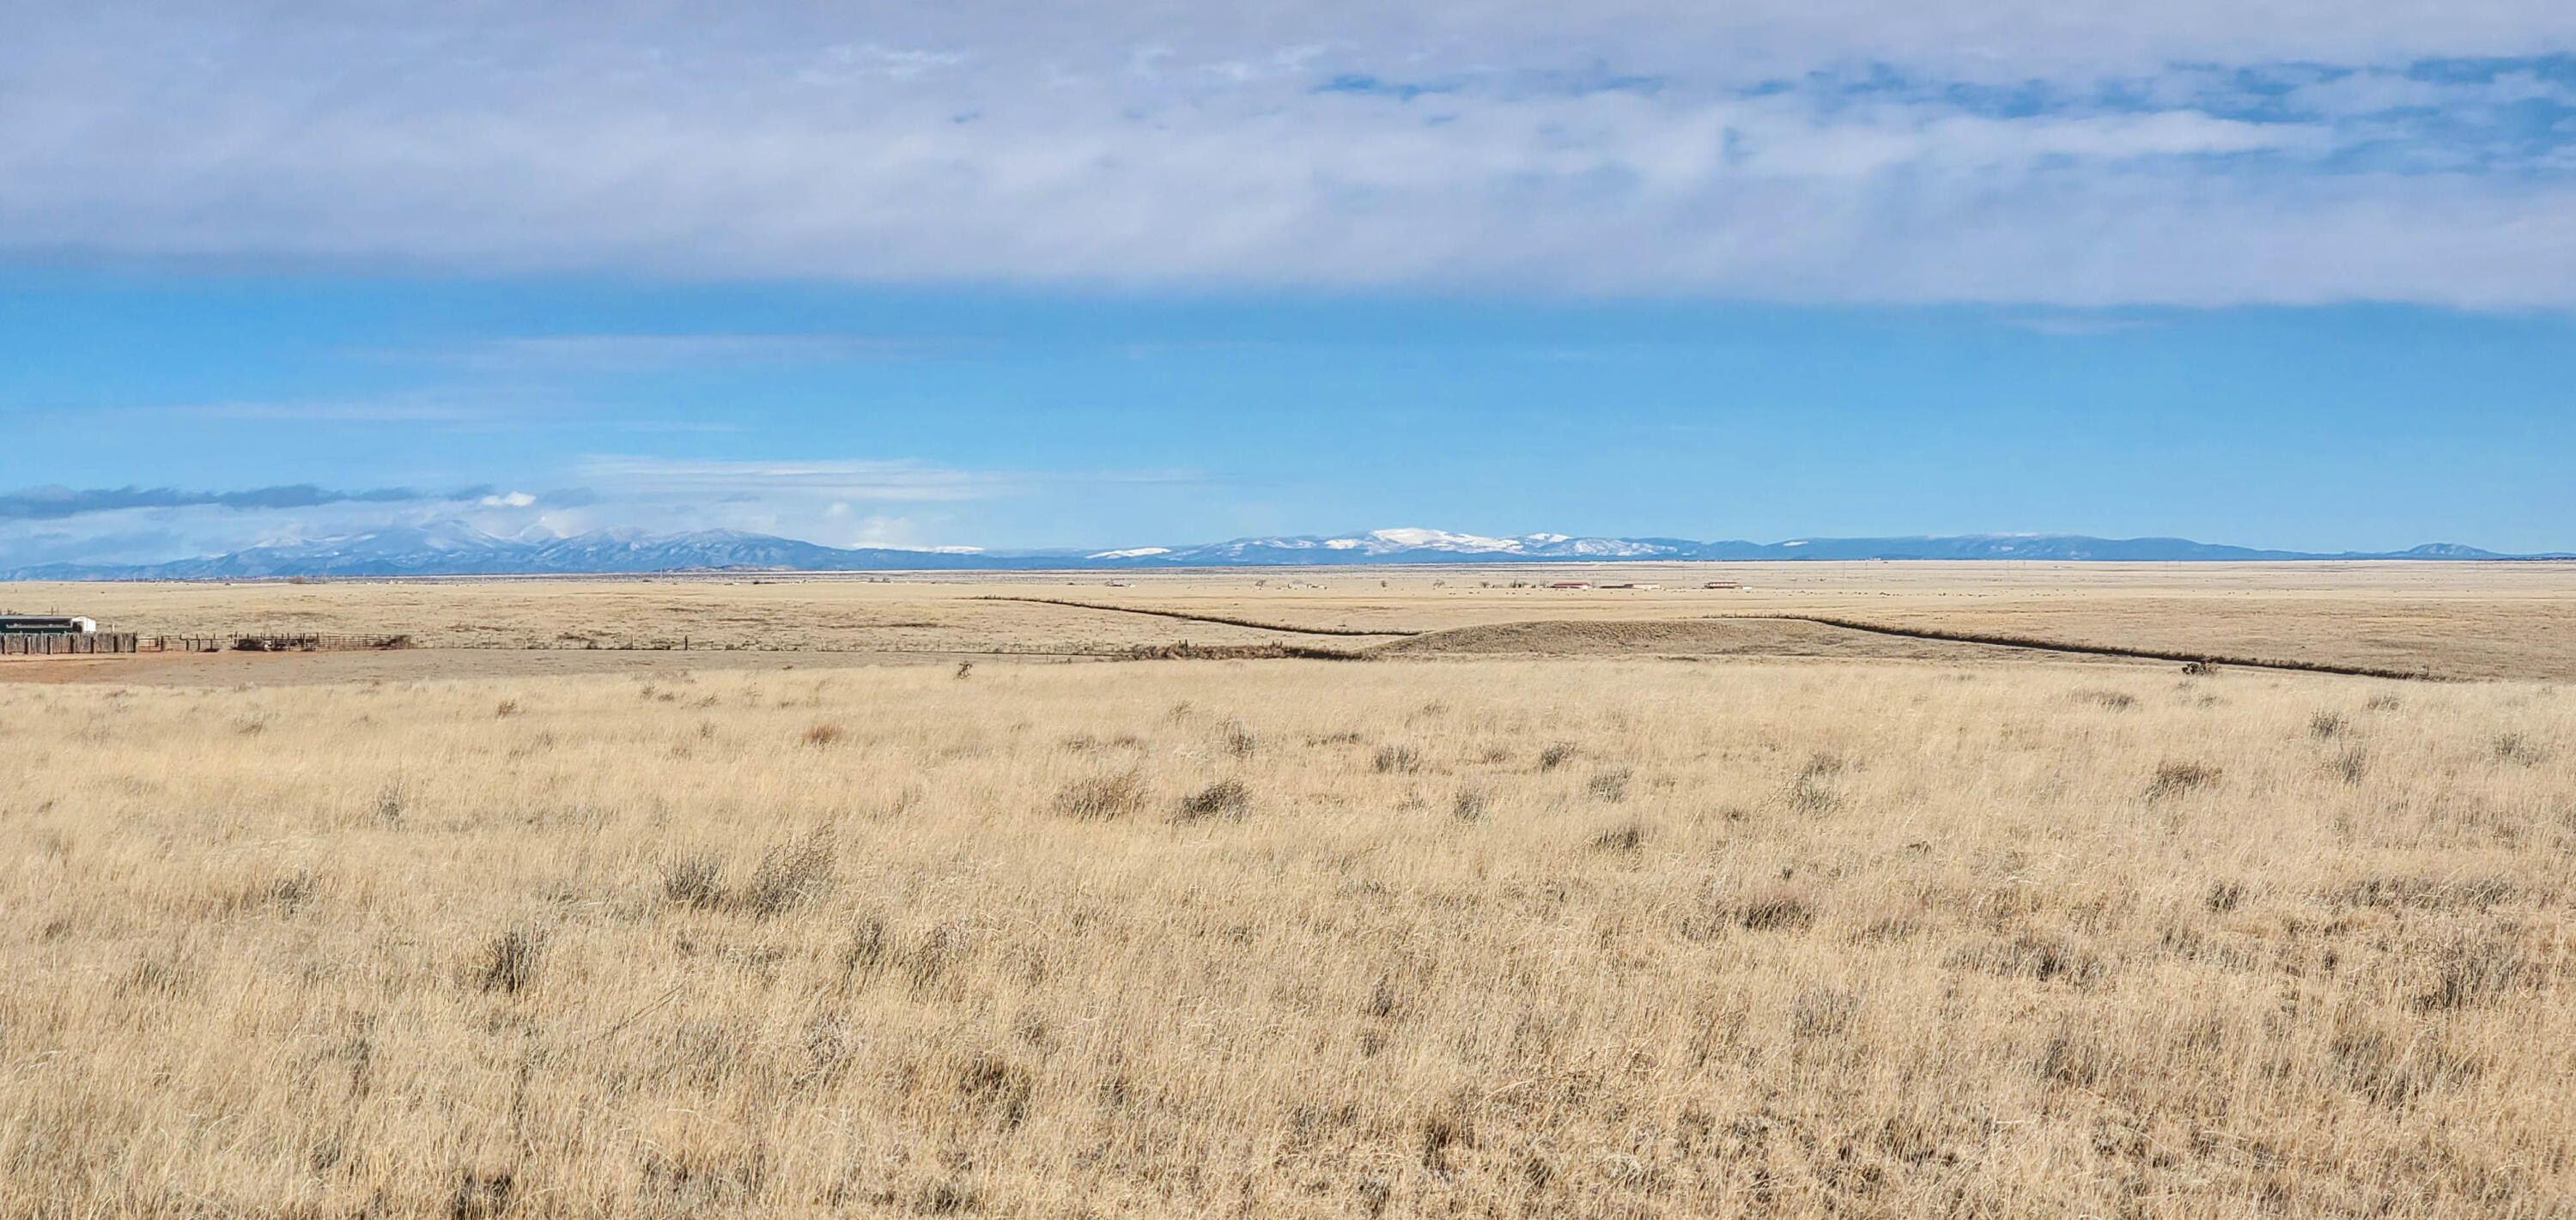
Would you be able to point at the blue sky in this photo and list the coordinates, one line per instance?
(2282, 274)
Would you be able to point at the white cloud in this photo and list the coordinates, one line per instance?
(1818, 149)
(821, 481)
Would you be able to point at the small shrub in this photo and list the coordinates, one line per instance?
(696, 881)
(290, 892)
(1556, 755)
(2175, 779)
(1225, 798)
(825, 734)
(1396, 759)
(789, 874)
(509, 963)
(1102, 796)
(964, 668)
(1610, 784)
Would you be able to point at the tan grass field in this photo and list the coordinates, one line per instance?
(1474, 933)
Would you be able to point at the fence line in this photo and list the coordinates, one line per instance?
(68, 643)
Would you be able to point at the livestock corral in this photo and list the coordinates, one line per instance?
(1825, 891)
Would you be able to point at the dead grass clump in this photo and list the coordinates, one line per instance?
(1812, 792)
(1557, 754)
(825, 734)
(1403, 760)
(2074, 1058)
(1627, 836)
(1102, 797)
(1777, 909)
(2041, 958)
(1450, 1126)
(482, 1195)
(2116, 700)
(506, 709)
(940, 951)
(866, 950)
(2352, 766)
(2392, 1068)
(2518, 750)
(509, 963)
(1470, 805)
(2176, 779)
(2472, 971)
(156, 978)
(2326, 725)
(789, 874)
(2224, 896)
(1239, 741)
(1228, 798)
(694, 1180)
(694, 880)
(996, 1090)
(2425, 893)
(1609, 784)
(1824, 1012)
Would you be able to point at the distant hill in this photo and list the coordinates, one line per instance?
(459, 551)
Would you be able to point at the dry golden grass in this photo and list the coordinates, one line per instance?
(2474, 620)
(1484, 937)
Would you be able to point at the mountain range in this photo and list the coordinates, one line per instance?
(456, 550)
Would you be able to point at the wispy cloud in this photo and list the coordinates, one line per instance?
(2072, 152)
(62, 503)
(832, 479)
(649, 352)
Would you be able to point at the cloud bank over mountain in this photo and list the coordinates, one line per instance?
(2080, 152)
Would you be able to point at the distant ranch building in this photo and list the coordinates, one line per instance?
(47, 624)
(44, 635)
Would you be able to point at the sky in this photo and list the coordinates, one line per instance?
(2279, 273)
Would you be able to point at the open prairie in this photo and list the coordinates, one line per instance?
(1607, 902)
